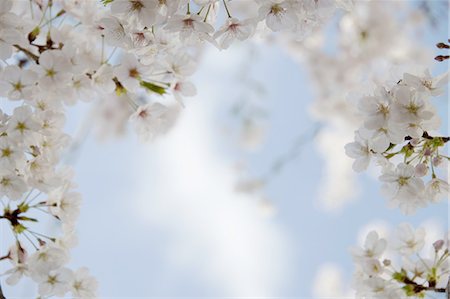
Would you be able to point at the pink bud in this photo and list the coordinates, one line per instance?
(421, 170)
(437, 161)
(428, 151)
(438, 245)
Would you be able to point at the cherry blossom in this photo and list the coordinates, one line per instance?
(133, 61)
(400, 119)
(402, 275)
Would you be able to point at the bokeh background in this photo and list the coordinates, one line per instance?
(234, 201)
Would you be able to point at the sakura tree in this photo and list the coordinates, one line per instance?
(133, 62)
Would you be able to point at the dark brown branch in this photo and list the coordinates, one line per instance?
(1, 293)
(29, 54)
(448, 289)
(425, 135)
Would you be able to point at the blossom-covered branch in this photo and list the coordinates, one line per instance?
(409, 274)
(398, 119)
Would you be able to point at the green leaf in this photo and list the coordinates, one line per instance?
(153, 87)
(106, 2)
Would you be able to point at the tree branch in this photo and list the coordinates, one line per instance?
(448, 289)
(1, 293)
(29, 54)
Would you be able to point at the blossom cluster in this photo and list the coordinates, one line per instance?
(34, 185)
(398, 124)
(409, 274)
(56, 53)
(135, 22)
(367, 47)
(162, 39)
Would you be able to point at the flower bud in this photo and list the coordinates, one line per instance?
(414, 141)
(428, 151)
(421, 170)
(438, 245)
(437, 161)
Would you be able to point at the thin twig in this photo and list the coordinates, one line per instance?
(1, 293)
(29, 54)
(448, 289)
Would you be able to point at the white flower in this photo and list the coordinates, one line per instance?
(7, 18)
(374, 246)
(189, 26)
(150, 120)
(103, 79)
(22, 126)
(53, 70)
(130, 72)
(426, 83)
(69, 238)
(419, 268)
(384, 136)
(80, 88)
(113, 31)
(65, 205)
(278, 14)
(50, 122)
(140, 38)
(17, 256)
(165, 9)
(183, 88)
(11, 155)
(143, 10)
(55, 282)
(377, 286)
(11, 185)
(372, 267)
(47, 258)
(16, 273)
(376, 109)
(410, 241)
(410, 107)
(17, 83)
(360, 151)
(180, 65)
(403, 188)
(234, 29)
(436, 190)
(83, 285)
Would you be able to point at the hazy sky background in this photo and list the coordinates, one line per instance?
(163, 219)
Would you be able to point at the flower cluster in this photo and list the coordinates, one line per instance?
(411, 275)
(138, 21)
(33, 185)
(56, 53)
(48, 73)
(398, 121)
(367, 45)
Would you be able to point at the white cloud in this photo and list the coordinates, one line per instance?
(329, 283)
(213, 231)
(338, 186)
